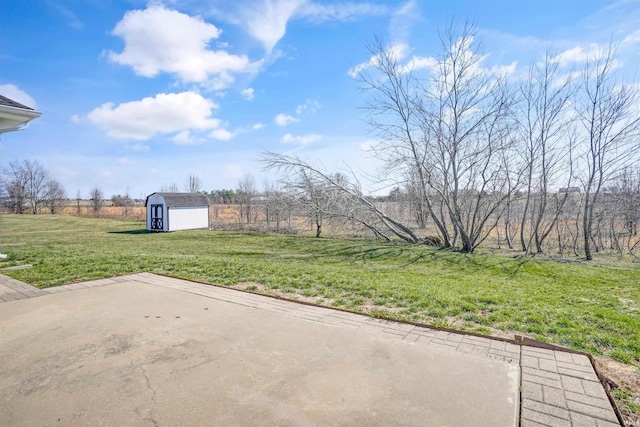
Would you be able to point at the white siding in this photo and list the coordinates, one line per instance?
(188, 218)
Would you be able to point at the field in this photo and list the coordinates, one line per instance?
(587, 307)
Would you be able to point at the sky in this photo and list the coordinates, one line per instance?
(136, 96)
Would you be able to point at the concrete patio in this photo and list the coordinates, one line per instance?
(151, 350)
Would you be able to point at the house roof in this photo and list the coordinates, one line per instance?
(11, 103)
(15, 116)
(182, 200)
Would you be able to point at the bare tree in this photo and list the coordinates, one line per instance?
(277, 204)
(123, 201)
(466, 153)
(271, 208)
(547, 149)
(96, 198)
(171, 188)
(36, 180)
(55, 196)
(78, 199)
(310, 197)
(127, 202)
(416, 200)
(621, 209)
(246, 195)
(25, 183)
(449, 134)
(14, 187)
(315, 199)
(395, 118)
(349, 201)
(193, 184)
(610, 127)
(629, 190)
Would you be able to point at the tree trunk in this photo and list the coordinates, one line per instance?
(586, 227)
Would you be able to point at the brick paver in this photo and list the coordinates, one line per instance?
(557, 388)
(560, 388)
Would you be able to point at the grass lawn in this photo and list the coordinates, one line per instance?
(577, 305)
(574, 304)
(584, 307)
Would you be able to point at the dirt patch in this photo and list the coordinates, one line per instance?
(628, 304)
(262, 289)
(627, 378)
(456, 323)
(256, 287)
(369, 307)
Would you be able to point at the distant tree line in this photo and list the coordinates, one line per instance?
(337, 201)
(222, 197)
(28, 187)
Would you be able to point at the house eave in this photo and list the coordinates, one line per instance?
(13, 118)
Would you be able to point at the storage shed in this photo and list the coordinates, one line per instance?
(177, 211)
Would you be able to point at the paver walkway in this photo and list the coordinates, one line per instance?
(557, 388)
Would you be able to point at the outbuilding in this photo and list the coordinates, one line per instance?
(177, 211)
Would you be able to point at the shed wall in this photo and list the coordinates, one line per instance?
(188, 218)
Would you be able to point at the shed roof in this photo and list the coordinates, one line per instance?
(182, 200)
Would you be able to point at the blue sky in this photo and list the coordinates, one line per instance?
(139, 94)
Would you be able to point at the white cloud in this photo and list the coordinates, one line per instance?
(248, 93)
(72, 19)
(257, 126)
(339, 11)
(163, 114)
(632, 38)
(311, 105)
(221, 134)
(302, 139)
(357, 69)
(579, 54)
(396, 51)
(368, 145)
(234, 170)
(139, 147)
(505, 70)
(18, 95)
(402, 20)
(419, 63)
(268, 23)
(125, 160)
(267, 20)
(162, 40)
(183, 137)
(284, 119)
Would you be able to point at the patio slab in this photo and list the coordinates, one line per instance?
(145, 349)
(136, 353)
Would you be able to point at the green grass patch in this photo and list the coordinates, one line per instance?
(625, 402)
(578, 305)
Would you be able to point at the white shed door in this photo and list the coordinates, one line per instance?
(157, 222)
